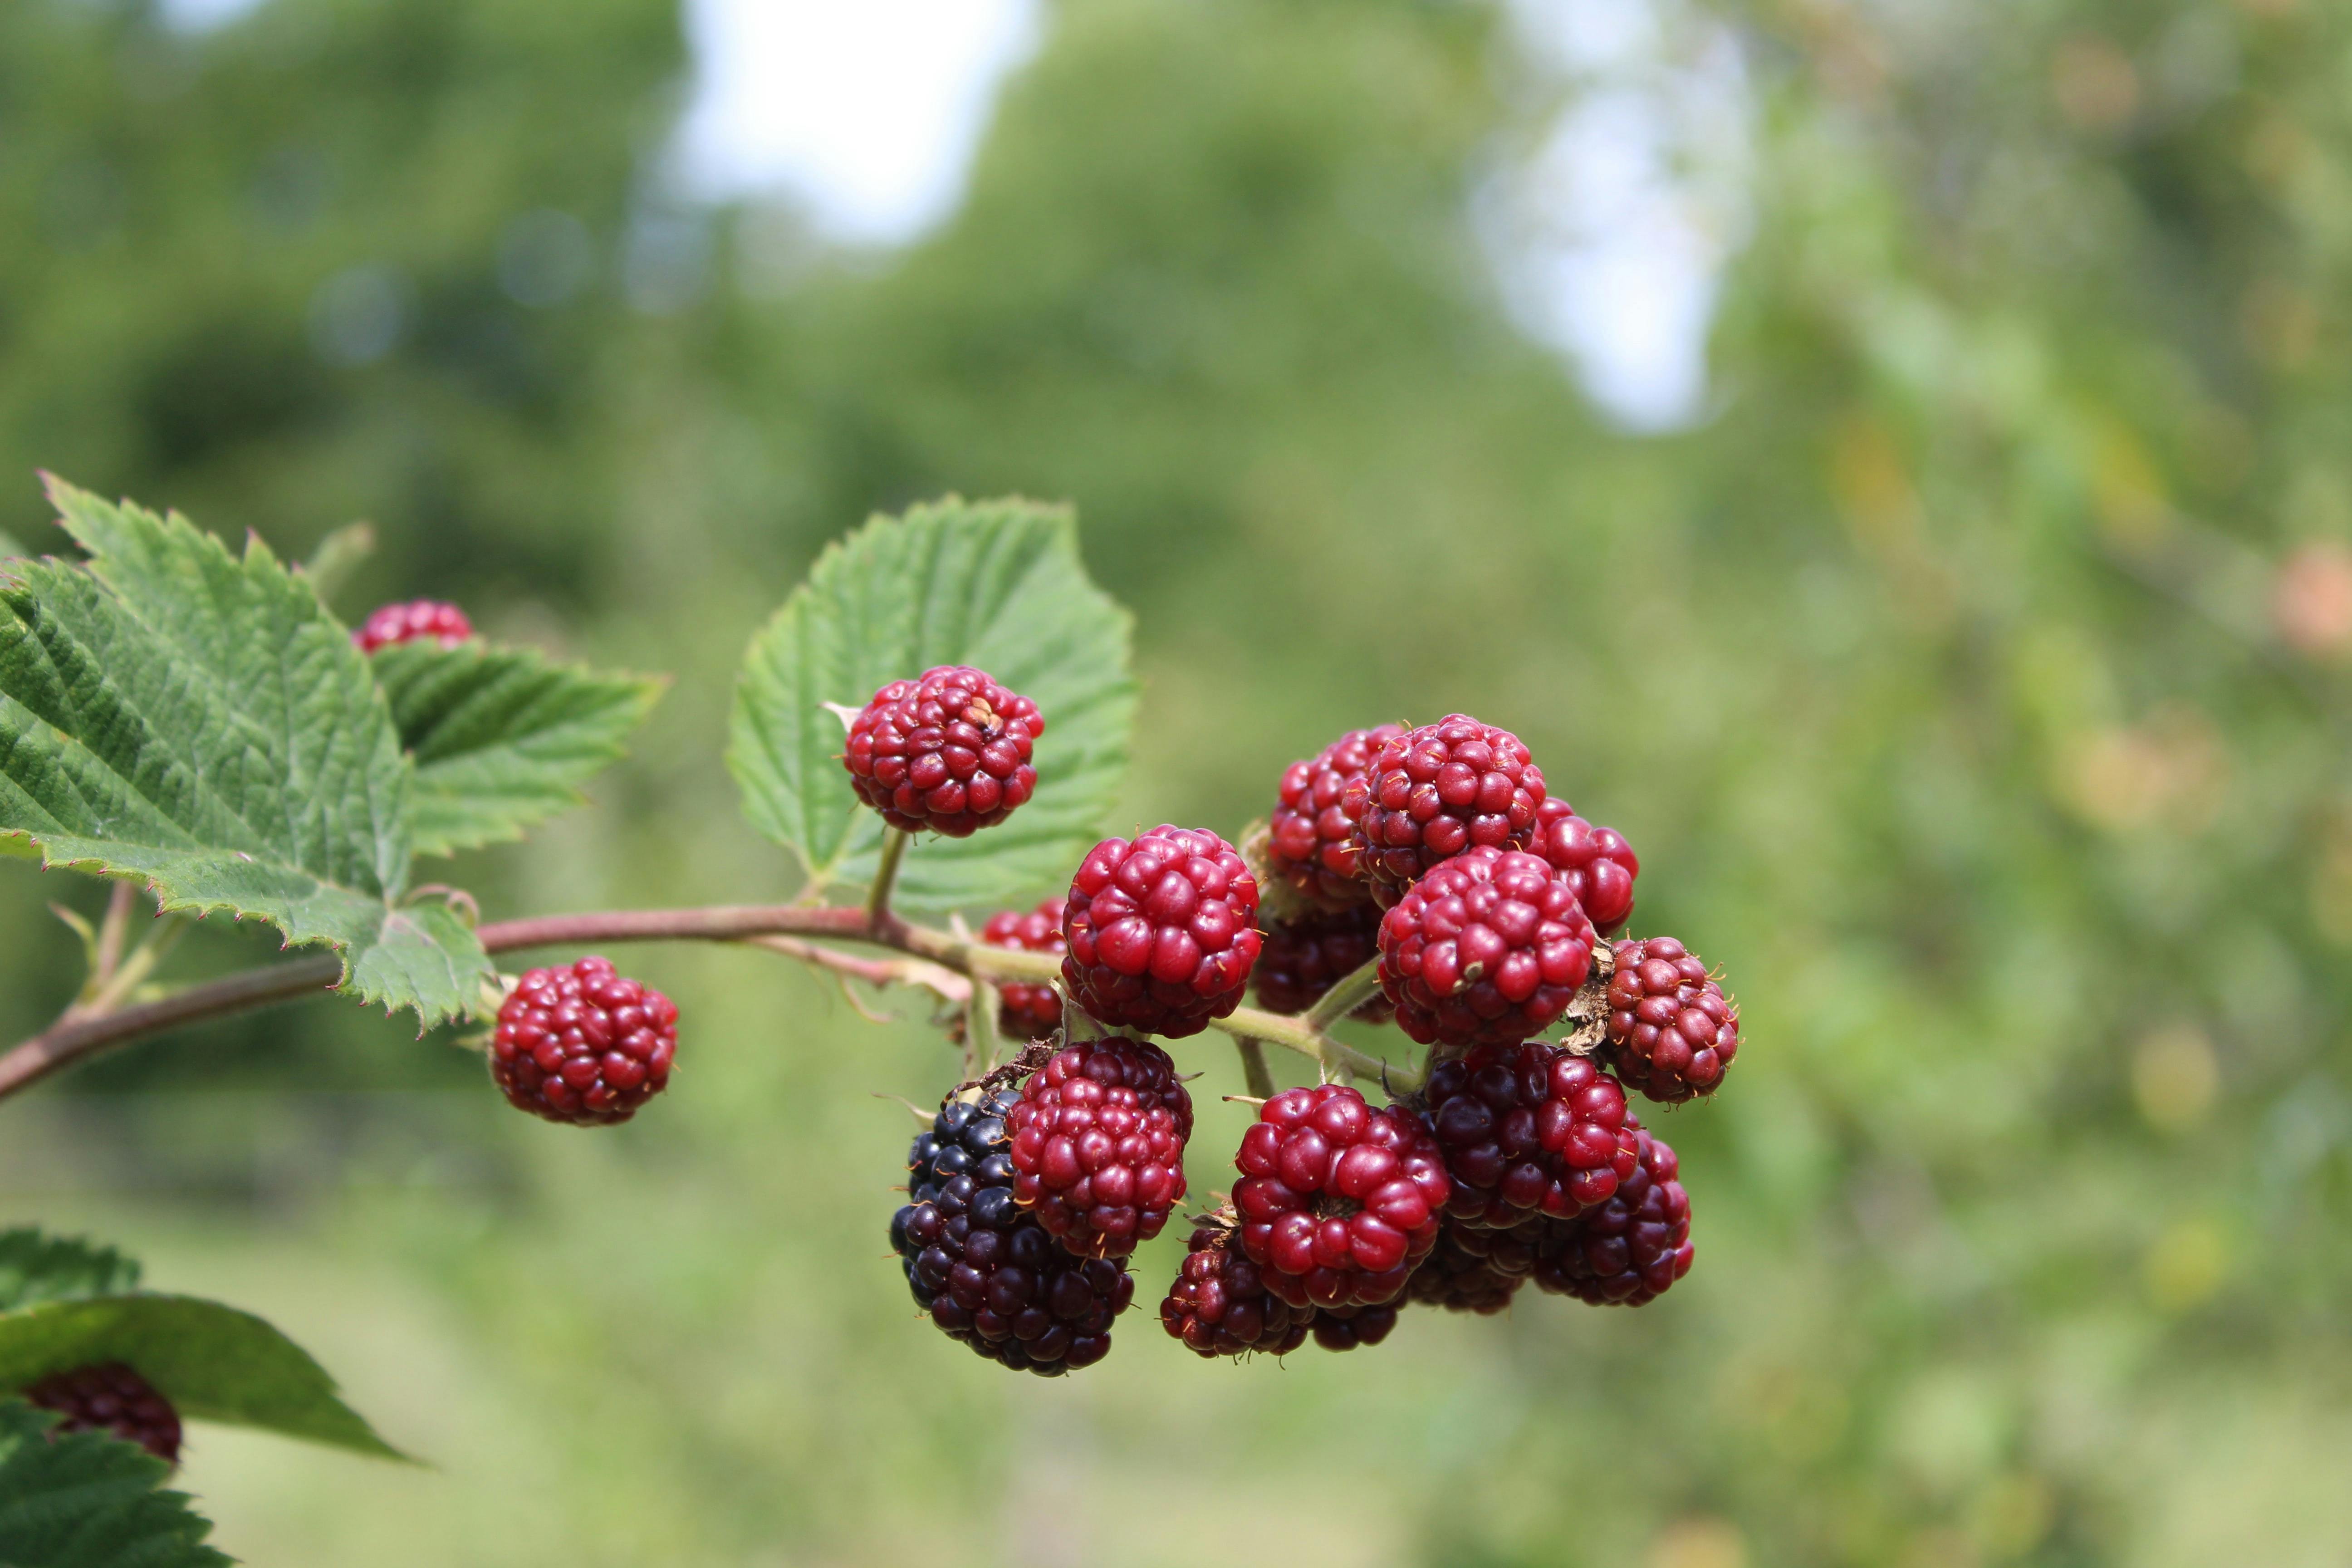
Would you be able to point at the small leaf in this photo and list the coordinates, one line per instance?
(340, 554)
(213, 1363)
(502, 737)
(85, 1499)
(997, 584)
(34, 1266)
(173, 712)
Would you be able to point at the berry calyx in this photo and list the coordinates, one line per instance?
(445, 624)
(1162, 931)
(1345, 1328)
(1598, 862)
(1672, 1031)
(1097, 1144)
(1528, 1131)
(985, 1269)
(1431, 793)
(1628, 1251)
(948, 752)
(1218, 1303)
(1029, 1010)
(1304, 958)
(1311, 840)
(110, 1397)
(1488, 948)
(1338, 1200)
(1462, 1278)
(583, 1045)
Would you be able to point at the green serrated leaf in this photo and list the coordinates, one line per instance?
(176, 713)
(36, 1266)
(503, 738)
(998, 585)
(213, 1363)
(87, 1501)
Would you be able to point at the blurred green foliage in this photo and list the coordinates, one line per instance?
(1972, 684)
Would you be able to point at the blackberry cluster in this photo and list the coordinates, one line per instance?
(1219, 1305)
(110, 1397)
(1629, 1250)
(1528, 1131)
(1338, 1200)
(1029, 1010)
(1488, 948)
(1304, 958)
(1097, 1144)
(986, 1271)
(1311, 839)
(1345, 1328)
(1430, 793)
(949, 752)
(1162, 931)
(1462, 1278)
(419, 618)
(1672, 1031)
(583, 1045)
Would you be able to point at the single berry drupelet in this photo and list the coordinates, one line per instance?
(1628, 1251)
(1528, 1131)
(1031, 1009)
(111, 1397)
(1304, 958)
(949, 752)
(419, 618)
(1672, 1031)
(1338, 1200)
(584, 1045)
(1097, 1144)
(1345, 1328)
(1162, 931)
(1598, 862)
(1311, 843)
(1431, 793)
(1488, 948)
(1219, 1304)
(1464, 1278)
(985, 1271)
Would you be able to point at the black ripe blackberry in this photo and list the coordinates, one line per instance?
(985, 1269)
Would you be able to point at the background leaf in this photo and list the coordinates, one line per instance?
(998, 585)
(171, 711)
(502, 737)
(38, 1267)
(88, 1500)
(335, 558)
(8, 545)
(212, 1361)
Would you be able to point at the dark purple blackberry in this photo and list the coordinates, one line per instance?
(1464, 1277)
(1345, 1328)
(1632, 1248)
(1304, 958)
(1527, 1131)
(1031, 1010)
(110, 1397)
(985, 1271)
(1219, 1305)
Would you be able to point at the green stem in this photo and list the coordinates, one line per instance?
(1254, 1069)
(894, 850)
(1344, 998)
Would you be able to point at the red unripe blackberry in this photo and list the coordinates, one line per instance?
(1338, 1200)
(1629, 1250)
(1672, 1031)
(110, 1397)
(1464, 1278)
(1598, 862)
(1431, 793)
(445, 624)
(1029, 1010)
(1345, 1328)
(949, 752)
(584, 1045)
(1486, 948)
(1161, 931)
(1098, 1144)
(1306, 957)
(1527, 1131)
(985, 1269)
(1311, 840)
(1219, 1304)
